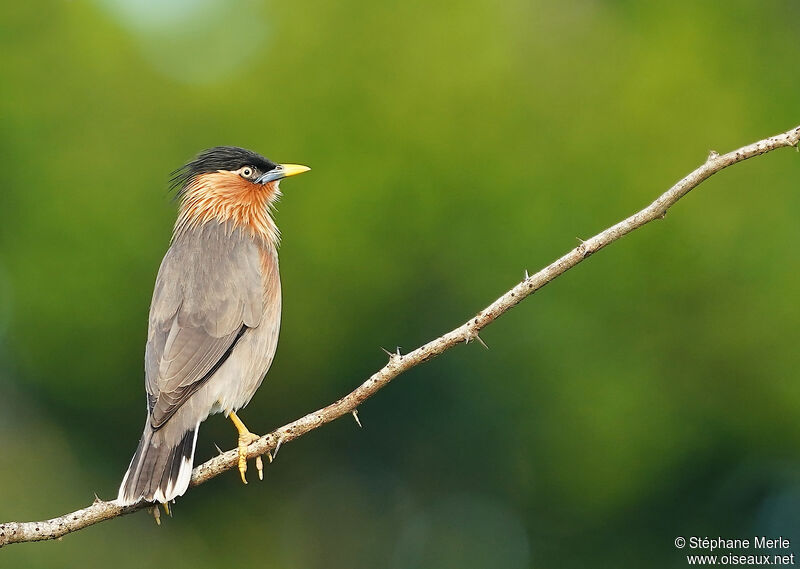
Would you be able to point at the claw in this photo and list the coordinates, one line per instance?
(260, 467)
(243, 464)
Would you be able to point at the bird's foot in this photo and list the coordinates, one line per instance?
(245, 439)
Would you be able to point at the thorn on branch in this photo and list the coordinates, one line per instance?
(355, 416)
(219, 450)
(277, 448)
(527, 276)
(394, 357)
(712, 155)
(473, 335)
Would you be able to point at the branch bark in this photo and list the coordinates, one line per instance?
(17, 532)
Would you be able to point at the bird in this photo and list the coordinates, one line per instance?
(214, 317)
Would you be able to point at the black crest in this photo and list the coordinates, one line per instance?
(219, 158)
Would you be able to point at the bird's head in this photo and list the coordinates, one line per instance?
(231, 184)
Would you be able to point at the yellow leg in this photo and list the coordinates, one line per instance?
(245, 438)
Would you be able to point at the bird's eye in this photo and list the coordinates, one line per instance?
(247, 171)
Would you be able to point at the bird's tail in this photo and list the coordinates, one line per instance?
(159, 472)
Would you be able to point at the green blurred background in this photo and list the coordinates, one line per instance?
(650, 393)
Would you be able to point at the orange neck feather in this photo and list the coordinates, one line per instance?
(227, 197)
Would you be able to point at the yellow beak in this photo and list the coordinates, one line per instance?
(293, 169)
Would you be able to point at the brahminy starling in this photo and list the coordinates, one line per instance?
(214, 318)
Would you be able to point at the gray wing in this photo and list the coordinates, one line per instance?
(208, 293)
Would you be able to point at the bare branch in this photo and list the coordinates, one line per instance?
(17, 532)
